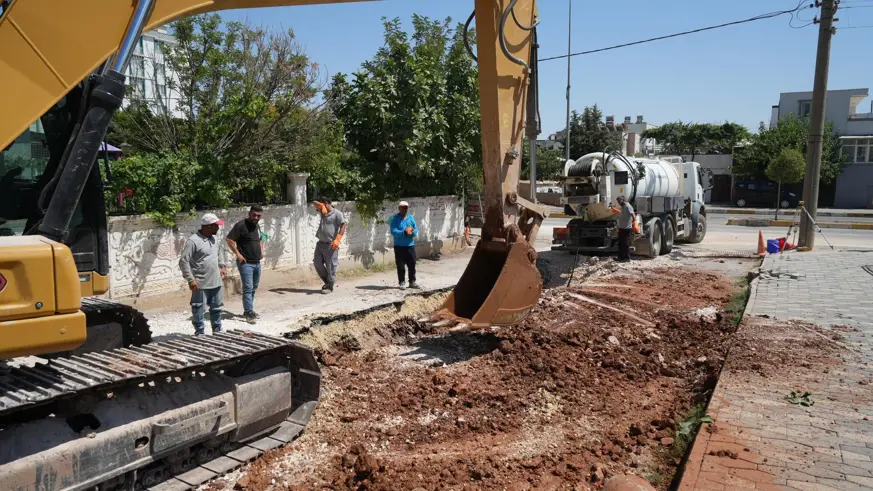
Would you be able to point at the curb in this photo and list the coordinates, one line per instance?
(823, 213)
(765, 222)
(692, 466)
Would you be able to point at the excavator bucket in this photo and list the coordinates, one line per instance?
(499, 287)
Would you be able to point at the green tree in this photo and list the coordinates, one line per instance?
(588, 133)
(698, 138)
(550, 163)
(788, 167)
(791, 132)
(410, 115)
(240, 114)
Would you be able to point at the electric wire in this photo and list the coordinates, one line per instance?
(683, 33)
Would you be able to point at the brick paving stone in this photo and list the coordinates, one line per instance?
(781, 446)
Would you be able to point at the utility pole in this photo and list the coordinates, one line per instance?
(569, 33)
(826, 31)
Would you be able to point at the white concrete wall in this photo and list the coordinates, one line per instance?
(144, 255)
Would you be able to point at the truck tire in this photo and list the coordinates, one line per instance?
(697, 236)
(655, 235)
(669, 236)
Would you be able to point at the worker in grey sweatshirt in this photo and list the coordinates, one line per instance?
(203, 268)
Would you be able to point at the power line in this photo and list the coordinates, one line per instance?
(678, 34)
(857, 27)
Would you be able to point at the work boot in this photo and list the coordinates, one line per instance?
(326, 289)
(402, 285)
(250, 317)
(414, 285)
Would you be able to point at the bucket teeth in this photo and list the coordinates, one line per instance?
(461, 328)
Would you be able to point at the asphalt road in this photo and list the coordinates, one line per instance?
(743, 239)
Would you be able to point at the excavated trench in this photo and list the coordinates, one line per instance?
(593, 383)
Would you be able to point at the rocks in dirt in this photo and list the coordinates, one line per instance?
(635, 430)
(366, 465)
(328, 360)
(349, 342)
(532, 463)
(458, 389)
(598, 473)
(439, 378)
(667, 441)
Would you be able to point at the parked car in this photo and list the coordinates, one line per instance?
(761, 193)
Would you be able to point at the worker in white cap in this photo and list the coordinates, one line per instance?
(203, 268)
(404, 230)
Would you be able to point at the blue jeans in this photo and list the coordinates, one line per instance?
(199, 300)
(250, 274)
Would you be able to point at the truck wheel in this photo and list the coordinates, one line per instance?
(741, 203)
(655, 236)
(698, 235)
(669, 236)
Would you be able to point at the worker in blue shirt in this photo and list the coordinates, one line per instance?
(404, 230)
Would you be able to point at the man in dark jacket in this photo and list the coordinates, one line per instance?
(245, 240)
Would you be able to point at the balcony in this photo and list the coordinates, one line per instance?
(861, 117)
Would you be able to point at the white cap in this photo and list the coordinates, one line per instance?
(210, 219)
(403, 203)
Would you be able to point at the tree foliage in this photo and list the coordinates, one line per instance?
(588, 133)
(787, 168)
(791, 132)
(550, 163)
(411, 114)
(240, 114)
(698, 138)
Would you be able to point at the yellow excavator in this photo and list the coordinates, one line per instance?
(87, 400)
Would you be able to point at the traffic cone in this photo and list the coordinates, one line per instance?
(762, 249)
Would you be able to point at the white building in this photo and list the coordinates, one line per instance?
(148, 74)
(847, 110)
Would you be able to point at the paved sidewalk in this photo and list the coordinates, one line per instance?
(761, 441)
(280, 306)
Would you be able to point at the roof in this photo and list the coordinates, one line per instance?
(104, 145)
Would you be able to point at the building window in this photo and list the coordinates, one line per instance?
(162, 91)
(858, 151)
(805, 109)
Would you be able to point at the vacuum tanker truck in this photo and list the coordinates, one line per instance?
(667, 197)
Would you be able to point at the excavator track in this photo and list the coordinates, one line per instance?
(173, 414)
(134, 325)
(110, 325)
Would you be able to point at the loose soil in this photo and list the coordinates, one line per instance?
(592, 384)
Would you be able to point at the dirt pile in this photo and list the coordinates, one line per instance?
(577, 393)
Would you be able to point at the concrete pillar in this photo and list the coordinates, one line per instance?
(296, 194)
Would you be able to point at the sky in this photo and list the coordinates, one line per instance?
(732, 74)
